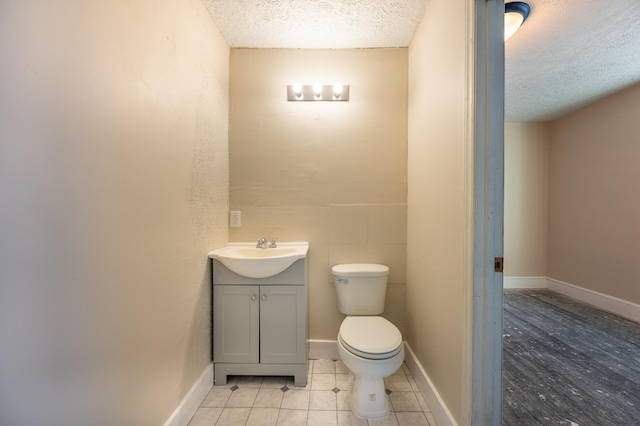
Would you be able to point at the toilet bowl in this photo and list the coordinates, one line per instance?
(371, 348)
(369, 345)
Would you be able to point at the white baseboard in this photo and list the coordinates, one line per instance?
(524, 282)
(605, 302)
(323, 349)
(438, 408)
(190, 403)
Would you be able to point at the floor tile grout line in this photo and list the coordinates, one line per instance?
(401, 372)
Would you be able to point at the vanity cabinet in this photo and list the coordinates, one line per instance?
(260, 325)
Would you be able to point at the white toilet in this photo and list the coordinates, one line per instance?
(369, 345)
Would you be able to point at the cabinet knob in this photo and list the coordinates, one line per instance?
(264, 297)
(253, 297)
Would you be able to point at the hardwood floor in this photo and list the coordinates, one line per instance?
(568, 363)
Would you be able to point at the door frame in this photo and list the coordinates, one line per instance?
(487, 215)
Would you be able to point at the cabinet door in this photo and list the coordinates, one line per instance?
(282, 324)
(235, 323)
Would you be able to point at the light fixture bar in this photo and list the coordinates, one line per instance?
(318, 92)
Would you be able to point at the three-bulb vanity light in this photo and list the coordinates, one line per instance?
(318, 92)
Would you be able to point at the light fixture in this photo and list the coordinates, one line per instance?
(515, 13)
(318, 92)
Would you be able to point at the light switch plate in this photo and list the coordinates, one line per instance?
(234, 219)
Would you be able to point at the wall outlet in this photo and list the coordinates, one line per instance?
(234, 219)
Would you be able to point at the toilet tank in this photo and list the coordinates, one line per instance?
(361, 288)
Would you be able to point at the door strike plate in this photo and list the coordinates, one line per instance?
(498, 264)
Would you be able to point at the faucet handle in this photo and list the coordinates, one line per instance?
(273, 244)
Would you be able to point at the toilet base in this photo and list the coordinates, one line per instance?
(368, 398)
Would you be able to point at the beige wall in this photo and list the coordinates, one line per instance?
(436, 224)
(594, 202)
(333, 174)
(113, 187)
(526, 169)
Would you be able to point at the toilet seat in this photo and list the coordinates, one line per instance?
(370, 337)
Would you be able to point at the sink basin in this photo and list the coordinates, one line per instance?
(249, 261)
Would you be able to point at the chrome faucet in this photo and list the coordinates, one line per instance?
(263, 243)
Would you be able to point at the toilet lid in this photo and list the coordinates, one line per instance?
(370, 335)
(360, 270)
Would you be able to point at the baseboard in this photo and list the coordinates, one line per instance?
(323, 349)
(438, 408)
(190, 403)
(605, 302)
(524, 282)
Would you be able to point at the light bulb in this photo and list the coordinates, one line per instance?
(296, 88)
(317, 90)
(337, 90)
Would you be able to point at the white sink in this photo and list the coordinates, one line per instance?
(249, 261)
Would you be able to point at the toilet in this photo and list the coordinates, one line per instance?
(368, 344)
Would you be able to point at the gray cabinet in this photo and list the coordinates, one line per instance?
(236, 323)
(260, 325)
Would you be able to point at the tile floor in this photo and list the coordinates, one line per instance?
(275, 401)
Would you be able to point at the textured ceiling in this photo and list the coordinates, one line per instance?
(570, 53)
(317, 23)
(567, 54)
